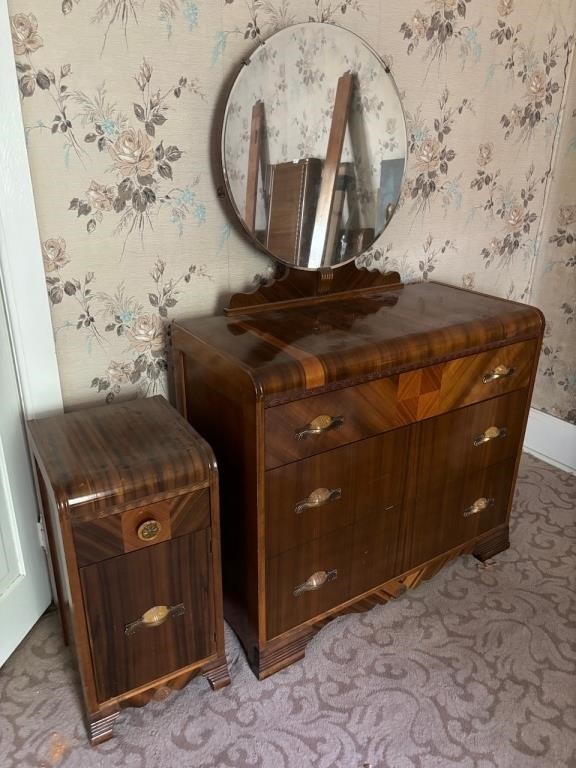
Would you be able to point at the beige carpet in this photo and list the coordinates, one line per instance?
(474, 669)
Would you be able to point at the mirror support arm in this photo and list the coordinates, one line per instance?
(256, 138)
(330, 170)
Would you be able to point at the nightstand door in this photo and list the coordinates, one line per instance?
(149, 612)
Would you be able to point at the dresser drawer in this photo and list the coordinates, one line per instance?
(478, 377)
(173, 577)
(459, 443)
(140, 527)
(312, 497)
(330, 556)
(458, 512)
(319, 423)
(314, 424)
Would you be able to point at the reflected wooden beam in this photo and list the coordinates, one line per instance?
(330, 171)
(256, 138)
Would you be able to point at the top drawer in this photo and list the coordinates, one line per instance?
(322, 422)
(133, 529)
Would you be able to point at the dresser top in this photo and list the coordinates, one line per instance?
(291, 351)
(119, 454)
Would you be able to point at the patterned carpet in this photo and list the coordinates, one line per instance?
(474, 669)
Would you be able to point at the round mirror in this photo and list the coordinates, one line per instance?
(314, 145)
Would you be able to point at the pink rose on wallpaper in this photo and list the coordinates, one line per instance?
(101, 196)
(515, 218)
(54, 254)
(537, 86)
(147, 333)
(133, 153)
(485, 153)
(428, 155)
(25, 37)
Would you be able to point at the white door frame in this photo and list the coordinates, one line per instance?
(33, 388)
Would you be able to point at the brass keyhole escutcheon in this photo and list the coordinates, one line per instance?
(149, 530)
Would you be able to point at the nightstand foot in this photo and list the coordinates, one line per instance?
(101, 727)
(496, 543)
(218, 675)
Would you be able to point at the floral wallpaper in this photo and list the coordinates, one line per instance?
(120, 101)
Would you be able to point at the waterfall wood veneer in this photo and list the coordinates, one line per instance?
(364, 438)
(129, 494)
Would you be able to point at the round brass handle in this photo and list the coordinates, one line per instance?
(149, 530)
(500, 372)
(492, 433)
(317, 426)
(478, 506)
(317, 498)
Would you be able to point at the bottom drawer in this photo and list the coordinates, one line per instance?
(352, 560)
(458, 512)
(117, 592)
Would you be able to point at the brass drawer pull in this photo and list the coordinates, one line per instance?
(317, 498)
(149, 530)
(320, 424)
(492, 433)
(153, 617)
(315, 581)
(478, 506)
(500, 372)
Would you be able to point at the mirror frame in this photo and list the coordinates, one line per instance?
(245, 62)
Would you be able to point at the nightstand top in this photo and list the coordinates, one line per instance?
(121, 454)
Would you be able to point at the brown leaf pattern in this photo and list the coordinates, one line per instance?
(120, 131)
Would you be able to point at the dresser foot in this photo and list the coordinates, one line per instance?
(492, 546)
(278, 654)
(100, 727)
(218, 675)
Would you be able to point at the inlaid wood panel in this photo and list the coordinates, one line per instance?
(118, 591)
(365, 410)
(444, 517)
(362, 478)
(385, 404)
(118, 533)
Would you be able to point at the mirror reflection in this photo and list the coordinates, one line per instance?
(314, 145)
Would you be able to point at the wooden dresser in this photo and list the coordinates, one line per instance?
(364, 438)
(130, 500)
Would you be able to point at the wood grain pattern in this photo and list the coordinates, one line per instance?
(118, 532)
(94, 461)
(376, 406)
(400, 359)
(118, 592)
(370, 476)
(93, 599)
(363, 337)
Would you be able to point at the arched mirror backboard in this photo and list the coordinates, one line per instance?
(314, 145)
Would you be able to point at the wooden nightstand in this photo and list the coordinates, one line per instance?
(129, 494)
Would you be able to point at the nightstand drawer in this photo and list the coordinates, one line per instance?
(142, 612)
(315, 496)
(140, 527)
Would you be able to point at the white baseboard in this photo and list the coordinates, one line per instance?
(551, 439)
